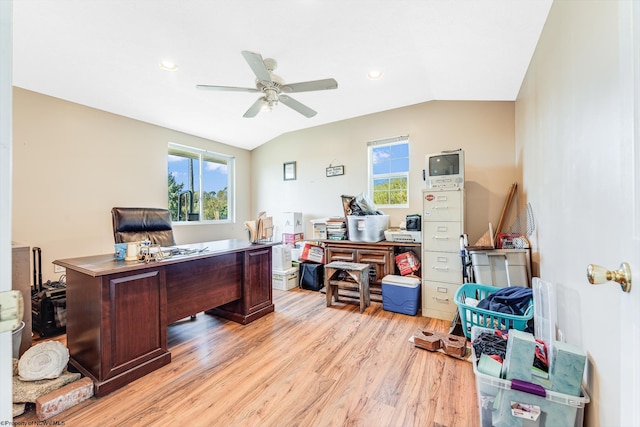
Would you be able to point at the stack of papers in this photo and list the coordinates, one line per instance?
(261, 229)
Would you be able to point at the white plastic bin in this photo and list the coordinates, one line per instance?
(501, 267)
(367, 228)
(16, 340)
(497, 397)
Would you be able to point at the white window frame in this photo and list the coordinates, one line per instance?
(231, 188)
(404, 139)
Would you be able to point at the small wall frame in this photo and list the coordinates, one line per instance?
(289, 171)
(335, 170)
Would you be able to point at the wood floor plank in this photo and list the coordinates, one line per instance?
(303, 365)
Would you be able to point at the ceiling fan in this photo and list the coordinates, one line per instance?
(274, 89)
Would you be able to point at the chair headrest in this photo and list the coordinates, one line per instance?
(137, 219)
(134, 224)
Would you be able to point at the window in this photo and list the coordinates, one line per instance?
(389, 172)
(200, 185)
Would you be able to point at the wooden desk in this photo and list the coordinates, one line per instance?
(118, 311)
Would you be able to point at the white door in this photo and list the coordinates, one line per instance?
(578, 133)
(5, 197)
(629, 355)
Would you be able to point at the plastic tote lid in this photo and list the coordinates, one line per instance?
(409, 282)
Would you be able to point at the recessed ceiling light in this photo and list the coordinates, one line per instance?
(168, 65)
(374, 75)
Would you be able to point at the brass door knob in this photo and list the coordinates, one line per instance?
(598, 275)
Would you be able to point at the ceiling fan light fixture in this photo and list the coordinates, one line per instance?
(273, 88)
(374, 75)
(168, 65)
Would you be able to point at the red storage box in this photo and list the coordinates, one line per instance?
(408, 263)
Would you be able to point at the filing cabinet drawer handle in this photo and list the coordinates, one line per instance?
(440, 207)
(440, 268)
(440, 237)
(441, 299)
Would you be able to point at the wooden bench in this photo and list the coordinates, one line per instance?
(358, 272)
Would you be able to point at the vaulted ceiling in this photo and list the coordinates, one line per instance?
(105, 54)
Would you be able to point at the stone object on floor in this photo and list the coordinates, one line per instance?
(452, 345)
(427, 340)
(63, 398)
(29, 391)
(45, 360)
(18, 409)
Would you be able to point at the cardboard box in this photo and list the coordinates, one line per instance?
(407, 262)
(281, 257)
(292, 223)
(400, 294)
(367, 228)
(292, 239)
(312, 253)
(284, 279)
(319, 229)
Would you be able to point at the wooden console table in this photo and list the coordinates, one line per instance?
(118, 312)
(379, 255)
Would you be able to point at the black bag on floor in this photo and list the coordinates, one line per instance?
(311, 276)
(48, 302)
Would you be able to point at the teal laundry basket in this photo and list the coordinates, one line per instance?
(473, 316)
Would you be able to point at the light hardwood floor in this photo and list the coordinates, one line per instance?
(304, 365)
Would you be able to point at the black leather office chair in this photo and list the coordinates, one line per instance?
(138, 224)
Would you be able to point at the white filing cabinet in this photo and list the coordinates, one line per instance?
(442, 225)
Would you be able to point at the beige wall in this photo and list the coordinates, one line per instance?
(484, 130)
(72, 164)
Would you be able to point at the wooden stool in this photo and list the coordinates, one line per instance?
(358, 272)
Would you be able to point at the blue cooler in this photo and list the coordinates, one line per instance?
(400, 294)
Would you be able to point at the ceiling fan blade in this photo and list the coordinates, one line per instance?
(310, 86)
(299, 107)
(255, 108)
(256, 63)
(227, 88)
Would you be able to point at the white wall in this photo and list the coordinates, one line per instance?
(484, 130)
(72, 164)
(576, 145)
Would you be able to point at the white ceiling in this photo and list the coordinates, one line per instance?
(105, 54)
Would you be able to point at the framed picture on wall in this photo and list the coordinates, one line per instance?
(289, 171)
(335, 170)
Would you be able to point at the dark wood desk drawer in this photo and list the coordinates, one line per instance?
(201, 284)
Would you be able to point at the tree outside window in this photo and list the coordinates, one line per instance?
(199, 185)
(389, 172)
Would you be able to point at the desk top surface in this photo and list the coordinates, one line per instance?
(101, 265)
(382, 243)
(350, 266)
